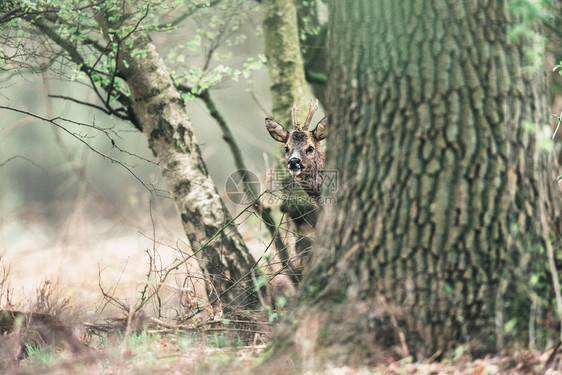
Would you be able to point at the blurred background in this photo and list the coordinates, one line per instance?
(68, 214)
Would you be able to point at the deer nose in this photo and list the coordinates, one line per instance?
(294, 163)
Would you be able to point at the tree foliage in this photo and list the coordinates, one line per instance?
(65, 38)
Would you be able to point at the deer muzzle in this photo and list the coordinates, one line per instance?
(295, 166)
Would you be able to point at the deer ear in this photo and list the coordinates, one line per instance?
(320, 131)
(276, 130)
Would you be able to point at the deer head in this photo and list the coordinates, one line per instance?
(303, 156)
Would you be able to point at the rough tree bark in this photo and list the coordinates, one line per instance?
(288, 85)
(159, 108)
(435, 132)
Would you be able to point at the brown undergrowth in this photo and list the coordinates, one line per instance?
(46, 334)
(137, 343)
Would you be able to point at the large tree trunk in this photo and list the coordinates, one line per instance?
(215, 241)
(443, 182)
(288, 85)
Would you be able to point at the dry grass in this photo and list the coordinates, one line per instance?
(144, 352)
(55, 341)
(102, 285)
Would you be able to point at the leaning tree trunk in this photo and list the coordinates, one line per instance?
(159, 108)
(443, 182)
(287, 85)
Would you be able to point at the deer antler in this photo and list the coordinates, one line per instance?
(294, 117)
(311, 110)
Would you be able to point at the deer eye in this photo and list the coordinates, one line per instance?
(286, 149)
(309, 149)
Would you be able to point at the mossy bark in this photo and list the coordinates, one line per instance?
(158, 106)
(288, 85)
(284, 61)
(442, 180)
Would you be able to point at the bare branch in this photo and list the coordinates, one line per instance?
(19, 157)
(264, 212)
(14, 13)
(102, 109)
(83, 66)
(182, 17)
(55, 121)
(558, 121)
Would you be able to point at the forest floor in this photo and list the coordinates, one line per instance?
(154, 352)
(91, 274)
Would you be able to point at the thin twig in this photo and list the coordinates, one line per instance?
(77, 59)
(557, 125)
(204, 245)
(19, 157)
(187, 13)
(116, 113)
(264, 212)
(55, 121)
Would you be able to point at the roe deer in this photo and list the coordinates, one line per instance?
(303, 155)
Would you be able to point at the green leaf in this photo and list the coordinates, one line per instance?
(185, 97)
(138, 52)
(260, 282)
(509, 327)
(534, 279)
